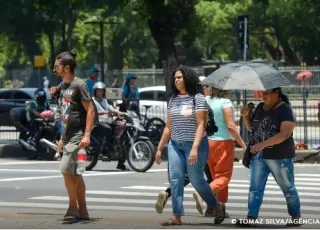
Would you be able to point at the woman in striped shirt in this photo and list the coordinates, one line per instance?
(188, 146)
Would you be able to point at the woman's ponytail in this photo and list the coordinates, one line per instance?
(282, 96)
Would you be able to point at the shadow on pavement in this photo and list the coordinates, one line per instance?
(76, 221)
(10, 149)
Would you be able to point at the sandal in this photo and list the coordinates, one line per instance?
(220, 216)
(198, 200)
(70, 217)
(170, 222)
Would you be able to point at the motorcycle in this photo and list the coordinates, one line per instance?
(127, 143)
(40, 143)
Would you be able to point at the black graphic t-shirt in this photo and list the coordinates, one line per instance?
(266, 124)
(72, 111)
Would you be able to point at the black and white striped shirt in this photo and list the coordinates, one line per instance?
(182, 111)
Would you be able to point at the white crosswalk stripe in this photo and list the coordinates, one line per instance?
(143, 198)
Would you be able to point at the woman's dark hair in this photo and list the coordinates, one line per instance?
(68, 58)
(282, 96)
(191, 81)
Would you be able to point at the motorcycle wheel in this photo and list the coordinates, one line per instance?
(30, 155)
(146, 145)
(155, 127)
(92, 161)
(48, 153)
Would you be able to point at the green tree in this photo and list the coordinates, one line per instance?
(166, 19)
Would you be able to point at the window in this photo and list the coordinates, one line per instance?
(147, 95)
(161, 95)
(19, 95)
(6, 95)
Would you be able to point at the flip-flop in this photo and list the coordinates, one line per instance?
(170, 222)
(198, 200)
(70, 217)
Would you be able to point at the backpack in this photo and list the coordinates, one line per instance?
(211, 124)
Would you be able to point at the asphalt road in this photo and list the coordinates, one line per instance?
(32, 195)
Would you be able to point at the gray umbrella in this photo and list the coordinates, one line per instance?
(246, 76)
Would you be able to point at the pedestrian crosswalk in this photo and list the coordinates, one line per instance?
(142, 198)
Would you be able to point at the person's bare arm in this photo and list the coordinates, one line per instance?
(166, 134)
(164, 139)
(88, 106)
(201, 117)
(232, 128)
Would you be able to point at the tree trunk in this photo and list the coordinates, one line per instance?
(274, 52)
(63, 35)
(73, 16)
(116, 52)
(290, 55)
(164, 38)
(50, 35)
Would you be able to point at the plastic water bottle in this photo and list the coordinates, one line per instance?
(81, 161)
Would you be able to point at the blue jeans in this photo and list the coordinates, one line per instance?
(178, 152)
(59, 127)
(283, 173)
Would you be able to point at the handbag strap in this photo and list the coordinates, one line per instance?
(100, 104)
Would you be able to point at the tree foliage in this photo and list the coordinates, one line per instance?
(161, 33)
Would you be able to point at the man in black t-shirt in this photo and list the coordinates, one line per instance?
(78, 115)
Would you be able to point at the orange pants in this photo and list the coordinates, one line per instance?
(220, 161)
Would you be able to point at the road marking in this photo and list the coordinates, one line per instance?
(307, 175)
(93, 173)
(141, 209)
(272, 181)
(269, 182)
(159, 188)
(36, 170)
(245, 184)
(60, 176)
(189, 203)
(29, 163)
(132, 201)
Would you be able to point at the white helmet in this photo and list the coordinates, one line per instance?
(99, 85)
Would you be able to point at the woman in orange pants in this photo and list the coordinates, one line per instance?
(221, 144)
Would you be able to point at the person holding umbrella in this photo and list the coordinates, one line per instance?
(272, 126)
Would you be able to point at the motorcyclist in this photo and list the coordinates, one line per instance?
(35, 108)
(104, 127)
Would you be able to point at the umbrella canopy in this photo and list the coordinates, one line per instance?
(246, 76)
(304, 74)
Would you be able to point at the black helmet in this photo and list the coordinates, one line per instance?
(41, 96)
